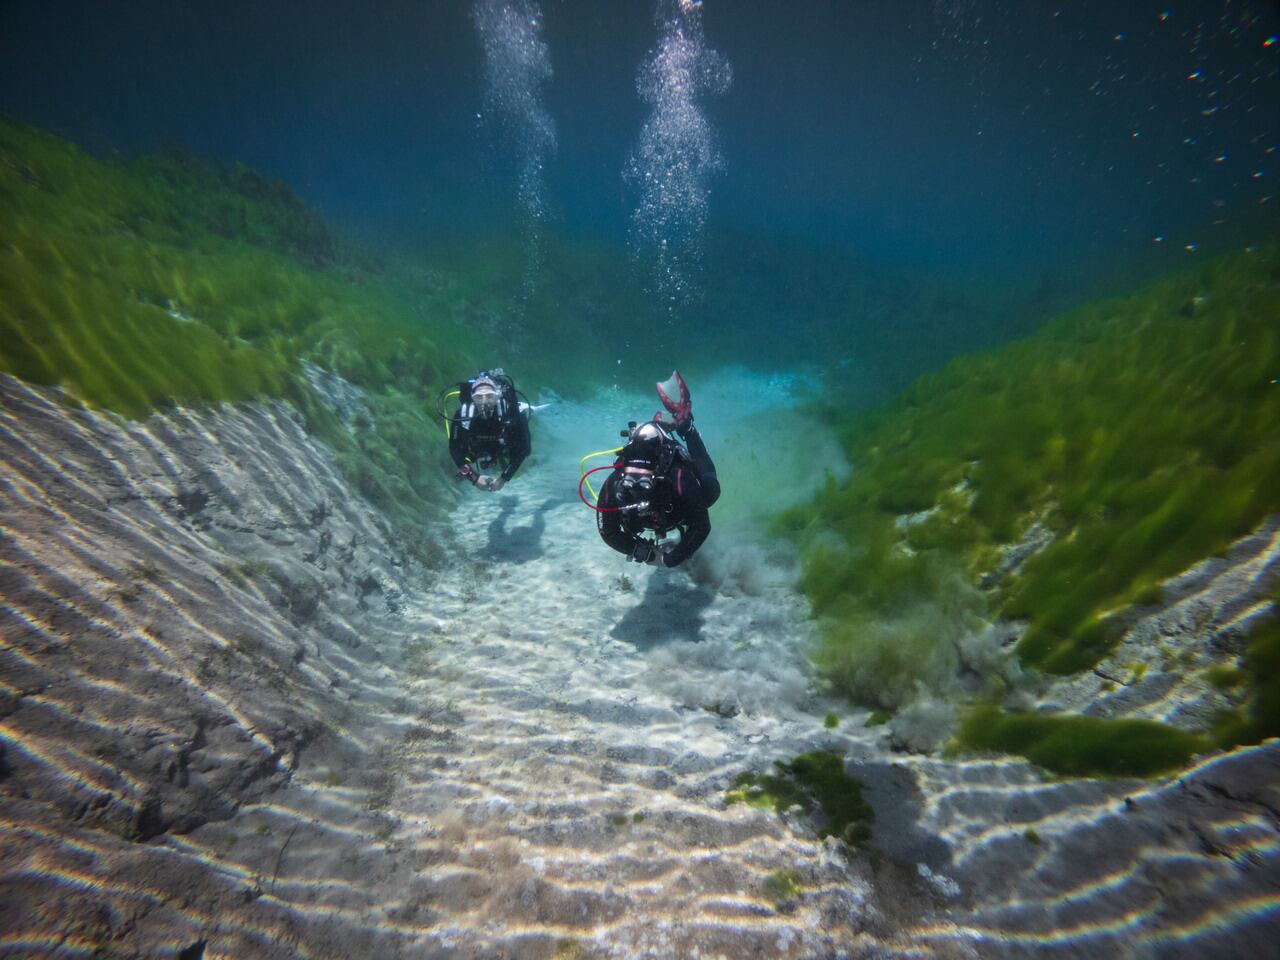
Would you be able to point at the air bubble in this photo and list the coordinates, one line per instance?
(676, 155)
(517, 66)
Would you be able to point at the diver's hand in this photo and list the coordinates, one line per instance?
(467, 473)
(659, 558)
(642, 552)
(491, 484)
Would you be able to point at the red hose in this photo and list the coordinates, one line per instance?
(611, 466)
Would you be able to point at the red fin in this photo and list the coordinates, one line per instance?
(680, 409)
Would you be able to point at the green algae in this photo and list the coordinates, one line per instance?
(1138, 435)
(134, 285)
(97, 284)
(1259, 717)
(108, 260)
(1224, 677)
(1080, 746)
(815, 783)
(782, 886)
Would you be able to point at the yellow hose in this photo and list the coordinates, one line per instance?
(582, 465)
(452, 393)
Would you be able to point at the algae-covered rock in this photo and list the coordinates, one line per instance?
(1038, 499)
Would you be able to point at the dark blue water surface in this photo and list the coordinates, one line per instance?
(996, 137)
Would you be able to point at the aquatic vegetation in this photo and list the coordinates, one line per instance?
(239, 573)
(1076, 745)
(100, 280)
(831, 721)
(134, 285)
(725, 710)
(782, 886)
(1259, 718)
(247, 646)
(418, 656)
(815, 783)
(1056, 482)
(381, 782)
(147, 570)
(1224, 677)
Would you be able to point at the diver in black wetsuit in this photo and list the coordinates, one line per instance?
(489, 430)
(658, 486)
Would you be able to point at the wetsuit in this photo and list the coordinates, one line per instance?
(485, 441)
(681, 500)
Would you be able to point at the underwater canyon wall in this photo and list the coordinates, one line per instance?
(195, 605)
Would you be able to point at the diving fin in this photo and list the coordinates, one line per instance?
(681, 409)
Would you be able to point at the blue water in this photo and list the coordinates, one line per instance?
(981, 136)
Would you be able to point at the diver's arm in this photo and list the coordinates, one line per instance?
(518, 445)
(457, 442)
(694, 527)
(457, 448)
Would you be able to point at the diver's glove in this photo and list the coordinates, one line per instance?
(642, 552)
(648, 553)
(491, 484)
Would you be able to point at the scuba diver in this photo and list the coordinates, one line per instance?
(489, 431)
(659, 485)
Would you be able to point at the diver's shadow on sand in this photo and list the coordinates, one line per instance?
(670, 611)
(517, 544)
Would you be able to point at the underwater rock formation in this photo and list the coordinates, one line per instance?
(189, 602)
